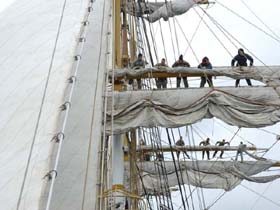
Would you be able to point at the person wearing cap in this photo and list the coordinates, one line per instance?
(241, 59)
(205, 64)
(220, 144)
(138, 64)
(181, 63)
(161, 82)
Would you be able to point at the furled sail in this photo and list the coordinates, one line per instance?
(269, 75)
(252, 107)
(161, 9)
(206, 174)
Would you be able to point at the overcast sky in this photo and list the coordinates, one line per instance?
(262, 47)
(205, 44)
(4, 4)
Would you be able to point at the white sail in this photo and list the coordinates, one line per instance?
(205, 174)
(267, 74)
(28, 33)
(160, 10)
(251, 107)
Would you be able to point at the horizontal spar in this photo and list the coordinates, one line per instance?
(254, 72)
(194, 148)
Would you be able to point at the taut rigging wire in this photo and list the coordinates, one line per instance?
(254, 25)
(247, 6)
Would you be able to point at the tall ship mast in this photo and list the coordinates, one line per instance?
(139, 105)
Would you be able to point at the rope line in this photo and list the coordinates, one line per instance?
(254, 25)
(93, 111)
(41, 106)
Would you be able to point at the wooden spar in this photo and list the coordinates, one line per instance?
(194, 148)
(277, 164)
(188, 72)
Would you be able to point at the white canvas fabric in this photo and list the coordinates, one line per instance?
(267, 74)
(161, 9)
(250, 107)
(28, 33)
(205, 174)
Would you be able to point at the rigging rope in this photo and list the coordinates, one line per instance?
(261, 195)
(93, 107)
(254, 25)
(217, 38)
(224, 31)
(176, 171)
(247, 6)
(42, 105)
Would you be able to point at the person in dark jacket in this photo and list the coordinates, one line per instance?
(181, 143)
(138, 64)
(241, 59)
(183, 63)
(220, 144)
(205, 143)
(205, 64)
(161, 82)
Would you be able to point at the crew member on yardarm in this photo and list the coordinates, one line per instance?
(241, 148)
(205, 143)
(139, 63)
(159, 156)
(145, 155)
(181, 143)
(220, 144)
(241, 59)
(181, 63)
(205, 64)
(161, 82)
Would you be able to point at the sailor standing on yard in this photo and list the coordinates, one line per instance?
(241, 148)
(138, 64)
(205, 143)
(181, 143)
(241, 59)
(181, 63)
(220, 144)
(205, 64)
(161, 82)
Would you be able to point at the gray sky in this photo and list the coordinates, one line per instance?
(4, 4)
(265, 51)
(204, 43)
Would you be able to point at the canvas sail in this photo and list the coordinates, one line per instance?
(158, 10)
(252, 107)
(206, 174)
(267, 74)
(28, 33)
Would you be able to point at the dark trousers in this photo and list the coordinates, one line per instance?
(178, 154)
(207, 152)
(221, 155)
(161, 83)
(185, 79)
(208, 79)
(247, 80)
